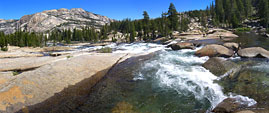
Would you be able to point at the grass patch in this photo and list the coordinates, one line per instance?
(243, 29)
(105, 50)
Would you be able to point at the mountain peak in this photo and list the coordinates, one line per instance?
(55, 19)
(78, 9)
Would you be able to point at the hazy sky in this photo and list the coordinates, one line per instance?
(115, 9)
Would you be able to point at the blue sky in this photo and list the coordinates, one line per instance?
(115, 9)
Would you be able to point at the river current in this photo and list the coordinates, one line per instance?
(167, 82)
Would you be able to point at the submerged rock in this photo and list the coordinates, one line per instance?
(253, 52)
(251, 83)
(219, 66)
(182, 45)
(228, 105)
(245, 111)
(214, 50)
(233, 105)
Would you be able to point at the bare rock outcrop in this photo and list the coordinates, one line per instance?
(26, 63)
(33, 87)
(55, 19)
(19, 54)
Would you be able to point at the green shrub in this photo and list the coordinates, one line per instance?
(15, 73)
(105, 50)
(267, 31)
(243, 29)
(69, 57)
(4, 49)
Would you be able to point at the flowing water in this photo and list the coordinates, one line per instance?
(252, 40)
(164, 82)
(167, 81)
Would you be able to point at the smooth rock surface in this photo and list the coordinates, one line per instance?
(19, 54)
(56, 48)
(253, 52)
(33, 87)
(231, 45)
(26, 63)
(214, 50)
(228, 105)
(182, 45)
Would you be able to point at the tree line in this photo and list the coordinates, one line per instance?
(145, 29)
(33, 39)
(231, 13)
(149, 29)
(221, 13)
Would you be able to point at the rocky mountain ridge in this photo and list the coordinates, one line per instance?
(54, 19)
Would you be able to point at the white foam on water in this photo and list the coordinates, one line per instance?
(135, 48)
(179, 70)
(138, 48)
(243, 100)
(182, 72)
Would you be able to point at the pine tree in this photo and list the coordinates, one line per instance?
(248, 8)
(227, 8)
(235, 15)
(241, 9)
(173, 17)
(220, 10)
(132, 33)
(146, 25)
(264, 12)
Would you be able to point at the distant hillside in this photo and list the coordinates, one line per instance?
(54, 19)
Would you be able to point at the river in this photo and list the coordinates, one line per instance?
(166, 81)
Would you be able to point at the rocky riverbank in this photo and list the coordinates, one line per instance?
(43, 77)
(239, 70)
(60, 74)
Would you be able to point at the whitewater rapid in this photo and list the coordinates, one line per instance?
(181, 71)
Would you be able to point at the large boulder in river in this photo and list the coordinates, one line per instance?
(214, 51)
(219, 66)
(253, 52)
(230, 105)
(231, 45)
(182, 45)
